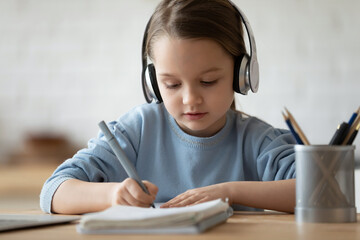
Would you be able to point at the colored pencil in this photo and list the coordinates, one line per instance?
(297, 128)
(292, 130)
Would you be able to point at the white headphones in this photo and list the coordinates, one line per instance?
(246, 67)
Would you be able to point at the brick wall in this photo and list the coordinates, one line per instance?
(65, 65)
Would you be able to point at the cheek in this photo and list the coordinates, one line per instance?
(222, 94)
(222, 101)
(171, 102)
(165, 94)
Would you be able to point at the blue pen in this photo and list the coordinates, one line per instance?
(292, 130)
(125, 162)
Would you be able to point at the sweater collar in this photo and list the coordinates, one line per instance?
(201, 142)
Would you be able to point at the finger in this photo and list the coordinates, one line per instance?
(122, 201)
(152, 188)
(179, 200)
(138, 196)
(172, 201)
(133, 201)
(202, 200)
(120, 198)
(190, 200)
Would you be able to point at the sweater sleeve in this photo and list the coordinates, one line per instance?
(272, 155)
(276, 159)
(96, 163)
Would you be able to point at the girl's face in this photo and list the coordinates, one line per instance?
(195, 78)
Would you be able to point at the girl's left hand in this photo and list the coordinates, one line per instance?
(199, 195)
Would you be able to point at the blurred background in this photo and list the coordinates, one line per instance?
(66, 65)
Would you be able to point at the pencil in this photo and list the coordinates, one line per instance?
(353, 135)
(298, 129)
(353, 117)
(352, 130)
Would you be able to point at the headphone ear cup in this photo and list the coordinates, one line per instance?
(151, 82)
(241, 74)
(236, 74)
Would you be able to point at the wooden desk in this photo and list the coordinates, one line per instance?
(19, 193)
(243, 226)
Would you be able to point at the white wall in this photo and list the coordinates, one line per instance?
(66, 65)
(309, 55)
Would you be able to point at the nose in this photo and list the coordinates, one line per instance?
(191, 96)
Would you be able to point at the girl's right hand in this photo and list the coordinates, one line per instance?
(128, 192)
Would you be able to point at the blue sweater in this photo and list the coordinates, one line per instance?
(245, 149)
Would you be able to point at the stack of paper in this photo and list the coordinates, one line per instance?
(127, 219)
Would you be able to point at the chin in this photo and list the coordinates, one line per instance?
(197, 131)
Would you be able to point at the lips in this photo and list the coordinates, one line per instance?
(195, 115)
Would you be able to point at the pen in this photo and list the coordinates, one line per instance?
(125, 162)
(292, 130)
(340, 134)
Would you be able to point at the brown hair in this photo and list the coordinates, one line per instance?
(217, 20)
(212, 19)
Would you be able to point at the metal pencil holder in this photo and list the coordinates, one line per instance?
(325, 190)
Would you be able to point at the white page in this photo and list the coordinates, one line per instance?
(128, 216)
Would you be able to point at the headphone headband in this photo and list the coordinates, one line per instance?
(146, 88)
(246, 72)
(254, 65)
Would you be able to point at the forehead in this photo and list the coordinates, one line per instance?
(179, 54)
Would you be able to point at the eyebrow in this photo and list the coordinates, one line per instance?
(213, 69)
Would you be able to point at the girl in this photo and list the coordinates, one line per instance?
(192, 147)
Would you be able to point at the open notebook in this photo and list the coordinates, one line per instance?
(182, 220)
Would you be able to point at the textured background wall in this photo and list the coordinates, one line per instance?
(66, 65)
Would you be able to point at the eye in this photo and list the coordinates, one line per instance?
(209, 83)
(172, 86)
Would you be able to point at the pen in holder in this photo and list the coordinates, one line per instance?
(325, 189)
